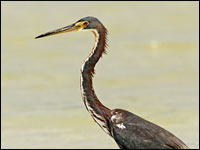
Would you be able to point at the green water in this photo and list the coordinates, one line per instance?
(151, 69)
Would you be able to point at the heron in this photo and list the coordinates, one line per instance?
(127, 129)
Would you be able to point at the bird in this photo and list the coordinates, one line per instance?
(127, 129)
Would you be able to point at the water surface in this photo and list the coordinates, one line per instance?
(151, 69)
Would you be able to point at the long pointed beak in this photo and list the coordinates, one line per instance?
(69, 28)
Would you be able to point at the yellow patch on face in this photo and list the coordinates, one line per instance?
(81, 25)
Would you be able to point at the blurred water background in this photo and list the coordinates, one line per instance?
(151, 68)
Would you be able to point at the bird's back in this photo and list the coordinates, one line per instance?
(133, 132)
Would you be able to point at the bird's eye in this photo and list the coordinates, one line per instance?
(85, 23)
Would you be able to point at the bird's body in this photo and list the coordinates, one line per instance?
(133, 132)
(128, 130)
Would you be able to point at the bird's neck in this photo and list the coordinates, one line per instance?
(98, 111)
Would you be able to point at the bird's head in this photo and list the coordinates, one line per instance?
(87, 23)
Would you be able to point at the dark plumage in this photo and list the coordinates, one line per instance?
(142, 134)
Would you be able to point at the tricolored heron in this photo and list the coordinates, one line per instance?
(128, 130)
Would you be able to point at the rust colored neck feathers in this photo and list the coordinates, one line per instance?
(98, 111)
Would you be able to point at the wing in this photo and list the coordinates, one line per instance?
(132, 132)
